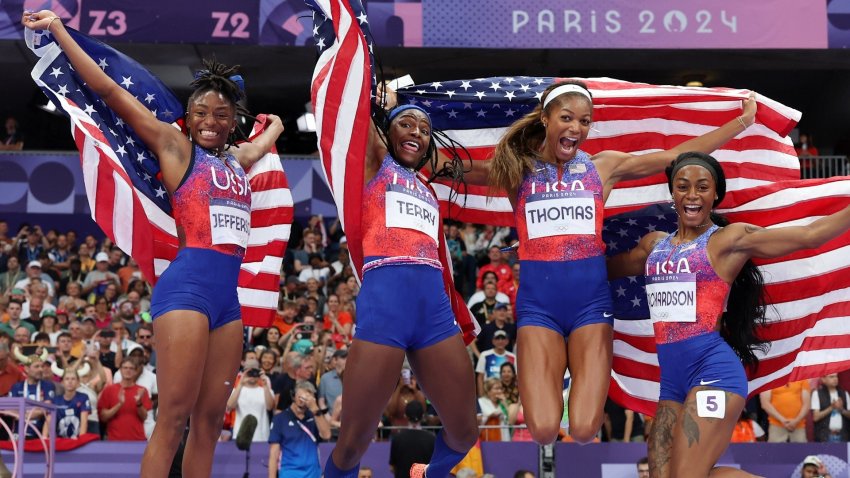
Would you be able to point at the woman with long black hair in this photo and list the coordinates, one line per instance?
(706, 304)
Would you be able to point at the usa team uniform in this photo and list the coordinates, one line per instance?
(562, 256)
(686, 297)
(212, 210)
(403, 302)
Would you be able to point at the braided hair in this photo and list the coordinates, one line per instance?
(452, 170)
(220, 78)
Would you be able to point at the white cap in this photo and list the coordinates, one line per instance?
(101, 257)
(812, 460)
(34, 264)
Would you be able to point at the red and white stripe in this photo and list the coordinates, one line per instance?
(808, 292)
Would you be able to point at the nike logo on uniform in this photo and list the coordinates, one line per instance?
(708, 382)
(606, 314)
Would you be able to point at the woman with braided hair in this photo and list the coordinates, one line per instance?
(195, 307)
(400, 246)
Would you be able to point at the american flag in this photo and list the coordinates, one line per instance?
(342, 91)
(808, 292)
(631, 117)
(126, 198)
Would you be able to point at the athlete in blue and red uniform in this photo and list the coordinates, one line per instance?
(402, 307)
(196, 312)
(558, 193)
(692, 300)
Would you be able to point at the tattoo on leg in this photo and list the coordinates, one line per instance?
(690, 427)
(661, 441)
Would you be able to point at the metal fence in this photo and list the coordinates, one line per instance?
(823, 166)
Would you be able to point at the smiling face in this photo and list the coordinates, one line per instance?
(694, 192)
(211, 119)
(567, 120)
(410, 136)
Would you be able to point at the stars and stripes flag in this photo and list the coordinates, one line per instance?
(126, 198)
(631, 117)
(808, 292)
(342, 91)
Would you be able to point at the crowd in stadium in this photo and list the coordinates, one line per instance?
(80, 305)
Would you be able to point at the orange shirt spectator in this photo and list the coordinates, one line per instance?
(787, 407)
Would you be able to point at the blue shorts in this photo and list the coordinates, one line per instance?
(201, 280)
(564, 296)
(702, 361)
(404, 306)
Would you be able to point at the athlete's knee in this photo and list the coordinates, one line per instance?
(544, 433)
(585, 430)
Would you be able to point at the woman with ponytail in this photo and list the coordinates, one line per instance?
(402, 307)
(195, 305)
(706, 303)
(563, 306)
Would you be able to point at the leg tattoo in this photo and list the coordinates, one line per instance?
(661, 441)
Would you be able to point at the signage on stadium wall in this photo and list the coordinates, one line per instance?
(52, 183)
(620, 24)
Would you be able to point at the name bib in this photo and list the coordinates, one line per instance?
(672, 297)
(411, 209)
(230, 222)
(559, 213)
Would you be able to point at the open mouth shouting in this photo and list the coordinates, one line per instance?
(568, 145)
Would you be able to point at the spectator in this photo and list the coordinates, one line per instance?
(115, 260)
(35, 307)
(34, 272)
(527, 474)
(406, 391)
(124, 406)
(128, 316)
(494, 411)
(343, 259)
(504, 273)
(483, 311)
(290, 290)
(489, 362)
(30, 243)
(829, 411)
(60, 254)
(643, 468)
(295, 433)
(13, 138)
(365, 472)
(746, 430)
(511, 288)
(87, 262)
(73, 298)
(338, 322)
(299, 367)
(490, 236)
(499, 322)
(252, 396)
(14, 309)
(805, 150)
(507, 375)
(814, 467)
(73, 408)
(621, 424)
(64, 346)
(141, 299)
(412, 445)
(107, 357)
(9, 372)
(34, 387)
(97, 279)
(13, 274)
(330, 385)
(50, 326)
(787, 407)
(268, 363)
(478, 296)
